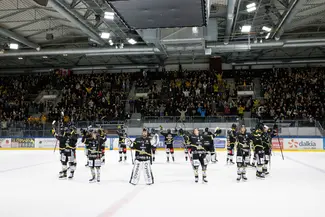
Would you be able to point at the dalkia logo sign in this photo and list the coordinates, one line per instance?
(293, 143)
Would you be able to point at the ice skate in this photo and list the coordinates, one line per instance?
(63, 175)
(153, 159)
(265, 171)
(71, 175)
(92, 179)
(173, 159)
(204, 179)
(196, 179)
(186, 158)
(244, 177)
(238, 177)
(167, 159)
(260, 175)
(120, 159)
(125, 158)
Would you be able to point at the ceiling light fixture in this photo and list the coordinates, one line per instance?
(267, 29)
(267, 36)
(251, 7)
(246, 29)
(132, 41)
(105, 35)
(109, 15)
(13, 46)
(44, 57)
(195, 30)
(20, 58)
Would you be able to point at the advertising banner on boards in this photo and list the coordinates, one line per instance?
(45, 142)
(5, 142)
(23, 143)
(303, 144)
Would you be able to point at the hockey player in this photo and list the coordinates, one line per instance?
(85, 135)
(267, 136)
(243, 157)
(209, 143)
(70, 150)
(252, 162)
(103, 139)
(95, 149)
(62, 139)
(231, 140)
(199, 155)
(169, 142)
(186, 143)
(122, 143)
(258, 152)
(154, 142)
(142, 147)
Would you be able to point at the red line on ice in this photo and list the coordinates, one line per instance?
(112, 210)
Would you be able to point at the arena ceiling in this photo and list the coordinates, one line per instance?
(66, 33)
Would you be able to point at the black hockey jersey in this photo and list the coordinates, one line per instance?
(169, 138)
(197, 144)
(208, 139)
(72, 139)
(257, 140)
(231, 136)
(122, 135)
(243, 142)
(94, 147)
(142, 147)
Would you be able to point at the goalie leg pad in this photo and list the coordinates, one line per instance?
(148, 173)
(135, 176)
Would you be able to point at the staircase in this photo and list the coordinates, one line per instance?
(257, 88)
(131, 96)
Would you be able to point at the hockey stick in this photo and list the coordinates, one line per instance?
(277, 130)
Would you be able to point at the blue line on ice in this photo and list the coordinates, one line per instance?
(24, 167)
(305, 164)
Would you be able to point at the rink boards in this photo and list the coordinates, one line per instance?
(288, 144)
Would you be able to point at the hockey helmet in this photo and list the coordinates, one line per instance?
(218, 131)
(153, 131)
(181, 131)
(169, 131)
(233, 126)
(207, 129)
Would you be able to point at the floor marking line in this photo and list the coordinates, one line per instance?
(305, 164)
(113, 209)
(24, 167)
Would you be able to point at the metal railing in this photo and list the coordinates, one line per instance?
(24, 129)
(286, 127)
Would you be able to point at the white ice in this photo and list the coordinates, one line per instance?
(29, 187)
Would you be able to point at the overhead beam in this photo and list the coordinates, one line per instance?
(76, 19)
(74, 3)
(287, 18)
(18, 38)
(230, 19)
(19, 11)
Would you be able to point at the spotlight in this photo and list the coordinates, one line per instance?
(13, 46)
(132, 41)
(105, 35)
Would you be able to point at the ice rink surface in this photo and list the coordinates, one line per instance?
(29, 187)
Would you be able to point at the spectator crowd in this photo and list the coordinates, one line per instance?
(286, 94)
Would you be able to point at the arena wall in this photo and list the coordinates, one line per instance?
(306, 144)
